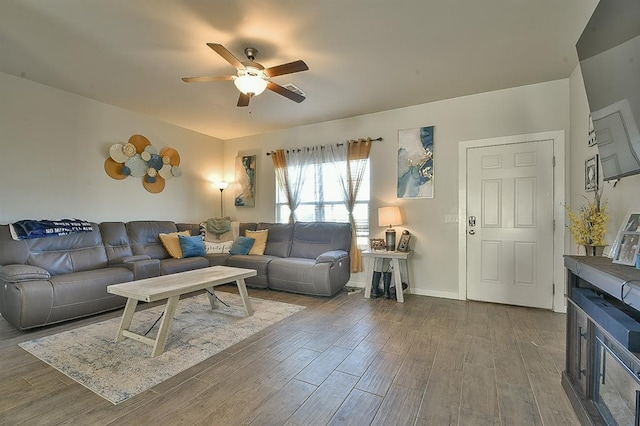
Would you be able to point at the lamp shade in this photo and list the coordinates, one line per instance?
(250, 84)
(389, 216)
(221, 185)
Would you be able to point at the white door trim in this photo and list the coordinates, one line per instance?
(559, 304)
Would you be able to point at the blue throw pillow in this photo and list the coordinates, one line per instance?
(242, 245)
(192, 246)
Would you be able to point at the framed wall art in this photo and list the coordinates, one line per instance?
(245, 193)
(415, 163)
(591, 173)
(625, 247)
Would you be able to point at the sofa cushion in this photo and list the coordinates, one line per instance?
(242, 245)
(116, 241)
(192, 246)
(78, 287)
(223, 247)
(172, 266)
(17, 273)
(260, 242)
(68, 253)
(279, 241)
(258, 263)
(311, 239)
(172, 244)
(144, 237)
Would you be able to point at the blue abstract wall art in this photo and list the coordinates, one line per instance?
(415, 163)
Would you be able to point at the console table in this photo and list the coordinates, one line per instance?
(398, 263)
(602, 376)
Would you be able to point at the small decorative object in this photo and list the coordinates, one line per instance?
(591, 173)
(415, 163)
(390, 216)
(377, 244)
(245, 195)
(625, 247)
(403, 245)
(138, 158)
(589, 223)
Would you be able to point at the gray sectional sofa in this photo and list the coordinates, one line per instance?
(49, 280)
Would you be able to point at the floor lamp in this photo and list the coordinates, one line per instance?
(221, 186)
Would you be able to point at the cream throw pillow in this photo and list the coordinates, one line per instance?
(171, 242)
(261, 241)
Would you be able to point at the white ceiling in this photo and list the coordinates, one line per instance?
(364, 55)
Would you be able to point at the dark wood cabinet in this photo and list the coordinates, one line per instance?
(602, 376)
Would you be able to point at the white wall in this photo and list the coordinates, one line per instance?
(434, 266)
(626, 193)
(53, 145)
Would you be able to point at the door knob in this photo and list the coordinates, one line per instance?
(472, 232)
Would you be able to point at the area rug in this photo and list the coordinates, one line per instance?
(119, 371)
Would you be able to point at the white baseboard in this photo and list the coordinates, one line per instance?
(418, 291)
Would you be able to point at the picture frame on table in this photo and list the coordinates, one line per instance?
(627, 243)
(591, 173)
(403, 245)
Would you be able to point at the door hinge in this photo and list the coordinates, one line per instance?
(554, 224)
(553, 161)
(553, 289)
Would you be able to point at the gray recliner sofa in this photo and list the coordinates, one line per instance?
(49, 280)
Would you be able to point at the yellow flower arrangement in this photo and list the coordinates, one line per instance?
(589, 222)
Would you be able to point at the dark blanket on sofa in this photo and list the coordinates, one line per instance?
(27, 229)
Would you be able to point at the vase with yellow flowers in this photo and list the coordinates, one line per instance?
(589, 224)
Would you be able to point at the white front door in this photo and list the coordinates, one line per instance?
(510, 224)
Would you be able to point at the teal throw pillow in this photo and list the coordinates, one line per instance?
(242, 245)
(192, 246)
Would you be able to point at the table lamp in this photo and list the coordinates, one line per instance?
(390, 216)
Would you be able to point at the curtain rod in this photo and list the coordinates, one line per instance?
(378, 139)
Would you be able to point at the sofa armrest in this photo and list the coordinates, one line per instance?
(331, 256)
(129, 259)
(143, 268)
(20, 273)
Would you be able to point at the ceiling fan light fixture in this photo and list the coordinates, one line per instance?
(250, 83)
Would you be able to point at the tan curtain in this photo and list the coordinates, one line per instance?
(355, 155)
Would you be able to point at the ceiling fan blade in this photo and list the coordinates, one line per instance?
(243, 100)
(211, 78)
(228, 56)
(290, 68)
(285, 92)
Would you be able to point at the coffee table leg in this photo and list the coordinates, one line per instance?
(242, 288)
(127, 316)
(211, 294)
(165, 325)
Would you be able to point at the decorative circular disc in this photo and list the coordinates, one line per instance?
(154, 187)
(129, 150)
(116, 153)
(146, 156)
(137, 165)
(151, 149)
(140, 142)
(165, 171)
(114, 169)
(174, 157)
(176, 171)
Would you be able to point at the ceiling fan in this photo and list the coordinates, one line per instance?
(252, 78)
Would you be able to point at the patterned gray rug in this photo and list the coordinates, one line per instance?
(118, 371)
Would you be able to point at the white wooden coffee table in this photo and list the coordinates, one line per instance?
(171, 287)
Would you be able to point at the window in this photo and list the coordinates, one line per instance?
(321, 200)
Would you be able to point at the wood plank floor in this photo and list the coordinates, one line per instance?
(344, 360)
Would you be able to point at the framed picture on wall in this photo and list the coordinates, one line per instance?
(245, 195)
(591, 173)
(592, 133)
(626, 246)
